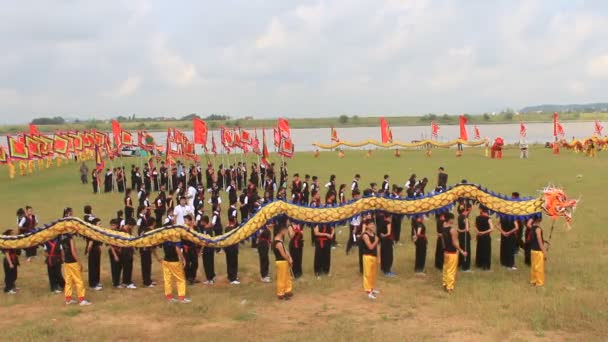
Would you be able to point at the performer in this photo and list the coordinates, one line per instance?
(385, 189)
(296, 189)
(95, 180)
(160, 207)
(324, 234)
(120, 180)
(538, 254)
(355, 184)
(421, 242)
(126, 257)
(52, 249)
(129, 209)
(108, 181)
(371, 251)
(232, 254)
(296, 247)
(93, 252)
(72, 270)
(306, 190)
(244, 205)
(384, 220)
(27, 222)
(114, 256)
(354, 225)
(342, 194)
(208, 252)
(282, 264)
(442, 179)
(263, 248)
(528, 238)
(145, 253)
(508, 228)
(10, 264)
(464, 236)
(173, 271)
(451, 251)
(191, 253)
(439, 218)
(483, 257)
(397, 219)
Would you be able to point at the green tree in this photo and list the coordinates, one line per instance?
(343, 119)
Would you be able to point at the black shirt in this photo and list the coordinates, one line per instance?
(170, 252)
(365, 250)
(66, 246)
(483, 223)
(448, 244)
(277, 253)
(534, 243)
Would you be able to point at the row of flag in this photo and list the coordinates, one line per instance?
(387, 135)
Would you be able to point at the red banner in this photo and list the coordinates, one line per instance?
(463, 128)
(265, 153)
(434, 130)
(286, 148)
(60, 144)
(34, 130)
(598, 128)
(3, 155)
(477, 134)
(334, 135)
(522, 129)
(200, 131)
(385, 131)
(33, 146)
(283, 127)
(17, 149)
(246, 138)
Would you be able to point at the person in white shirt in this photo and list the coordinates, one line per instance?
(182, 210)
(191, 195)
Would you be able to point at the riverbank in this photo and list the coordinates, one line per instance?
(338, 122)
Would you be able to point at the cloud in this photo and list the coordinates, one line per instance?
(598, 67)
(298, 58)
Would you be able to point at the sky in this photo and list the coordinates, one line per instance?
(101, 59)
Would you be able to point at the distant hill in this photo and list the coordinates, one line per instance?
(550, 108)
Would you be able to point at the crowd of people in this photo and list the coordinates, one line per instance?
(183, 198)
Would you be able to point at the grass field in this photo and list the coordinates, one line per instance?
(499, 305)
(312, 122)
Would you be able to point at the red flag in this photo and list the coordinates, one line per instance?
(598, 128)
(46, 147)
(555, 123)
(99, 164)
(276, 136)
(34, 130)
(213, 146)
(126, 138)
(560, 130)
(463, 129)
(227, 137)
(246, 137)
(265, 153)
(60, 144)
(200, 131)
(434, 130)
(116, 132)
(255, 144)
(77, 141)
(522, 129)
(286, 148)
(385, 130)
(477, 134)
(334, 135)
(33, 146)
(17, 149)
(237, 140)
(3, 155)
(283, 126)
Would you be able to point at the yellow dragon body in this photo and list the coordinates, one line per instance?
(552, 201)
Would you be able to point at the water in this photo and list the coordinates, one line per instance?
(303, 138)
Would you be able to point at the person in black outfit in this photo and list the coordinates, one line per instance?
(296, 245)
(190, 254)
(114, 255)
(126, 257)
(145, 253)
(383, 224)
(208, 253)
(10, 264)
(483, 257)
(93, 252)
(263, 249)
(464, 235)
(508, 228)
(421, 242)
(442, 179)
(324, 234)
(440, 218)
(232, 256)
(129, 208)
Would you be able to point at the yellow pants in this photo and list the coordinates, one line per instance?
(370, 272)
(73, 279)
(283, 277)
(450, 263)
(537, 268)
(171, 271)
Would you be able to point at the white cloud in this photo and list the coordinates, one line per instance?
(171, 65)
(127, 87)
(598, 67)
(274, 36)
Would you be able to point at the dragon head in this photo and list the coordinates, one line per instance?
(557, 203)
